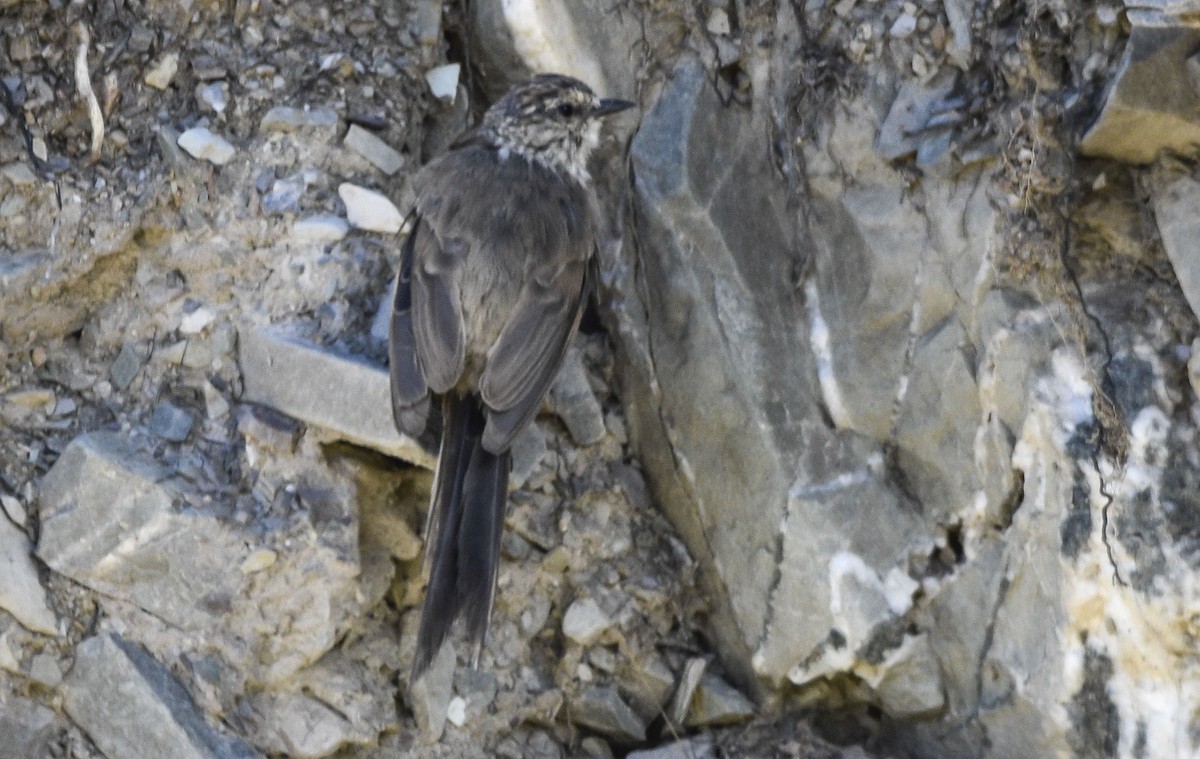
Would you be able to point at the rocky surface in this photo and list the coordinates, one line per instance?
(884, 413)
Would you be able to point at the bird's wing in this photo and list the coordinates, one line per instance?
(437, 318)
(410, 393)
(526, 357)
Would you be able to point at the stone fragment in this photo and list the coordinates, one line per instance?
(44, 670)
(163, 72)
(294, 377)
(716, 703)
(904, 25)
(284, 195)
(153, 715)
(912, 686)
(572, 400)
(430, 696)
(443, 81)
(698, 747)
(323, 228)
(592, 747)
(689, 681)
(213, 96)
(259, 560)
(28, 728)
(1175, 211)
(380, 154)
(8, 659)
(603, 710)
(456, 711)
(1150, 105)
(916, 102)
(194, 322)
(284, 118)
(958, 46)
(203, 143)
(585, 621)
(21, 592)
(13, 508)
(170, 422)
(647, 684)
(369, 210)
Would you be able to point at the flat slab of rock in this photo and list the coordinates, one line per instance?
(21, 592)
(130, 705)
(348, 397)
(202, 143)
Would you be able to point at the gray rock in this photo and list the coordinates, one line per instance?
(284, 118)
(130, 705)
(44, 670)
(202, 143)
(430, 696)
(603, 710)
(284, 195)
(699, 747)
(170, 422)
(584, 621)
(915, 104)
(572, 400)
(912, 686)
(126, 366)
(716, 702)
(1175, 210)
(28, 728)
(1150, 107)
(380, 154)
(294, 377)
(370, 210)
(322, 228)
(117, 522)
(21, 592)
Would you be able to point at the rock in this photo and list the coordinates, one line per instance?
(44, 670)
(213, 96)
(913, 685)
(154, 716)
(958, 46)
(443, 81)
(1175, 204)
(699, 747)
(338, 703)
(595, 748)
(915, 103)
(28, 728)
(323, 228)
(117, 522)
(1149, 106)
(367, 209)
(572, 400)
(585, 621)
(194, 322)
(647, 685)
(202, 143)
(126, 366)
(259, 560)
(430, 696)
(170, 422)
(284, 195)
(689, 681)
(21, 592)
(13, 508)
(602, 710)
(294, 377)
(456, 711)
(904, 25)
(163, 73)
(716, 702)
(283, 118)
(381, 155)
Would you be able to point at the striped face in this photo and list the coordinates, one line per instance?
(552, 119)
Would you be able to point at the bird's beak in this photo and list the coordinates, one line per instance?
(609, 107)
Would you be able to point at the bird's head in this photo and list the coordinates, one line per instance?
(552, 119)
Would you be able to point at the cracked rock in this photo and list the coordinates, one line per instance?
(603, 710)
(131, 705)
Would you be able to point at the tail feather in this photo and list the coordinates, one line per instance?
(462, 548)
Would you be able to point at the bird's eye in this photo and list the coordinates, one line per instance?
(566, 110)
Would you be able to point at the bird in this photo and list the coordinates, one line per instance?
(491, 284)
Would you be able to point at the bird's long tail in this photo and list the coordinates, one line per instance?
(462, 536)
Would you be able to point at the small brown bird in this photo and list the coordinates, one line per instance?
(492, 281)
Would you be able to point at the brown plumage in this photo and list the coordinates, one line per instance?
(491, 285)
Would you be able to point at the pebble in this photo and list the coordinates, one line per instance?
(602, 710)
(369, 210)
(443, 81)
(259, 560)
(8, 660)
(381, 155)
(202, 143)
(14, 508)
(904, 26)
(284, 118)
(320, 228)
(163, 72)
(126, 366)
(44, 669)
(456, 712)
(585, 621)
(33, 398)
(21, 592)
(170, 422)
(197, 320)
(718, 21)
(214, 96)
(284, 196)
(716, 702)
